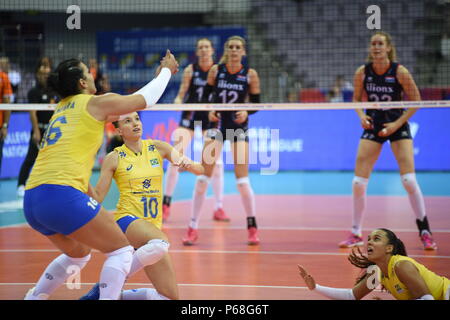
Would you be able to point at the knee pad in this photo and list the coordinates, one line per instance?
(242, 181)
(152, 252)
(66, 262)
(409, 182)
(202, 184)
(359, 186)
(120, 259)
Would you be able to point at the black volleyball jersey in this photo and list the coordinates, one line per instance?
(197, 85)
(195, 93)
(231, 88)
(381, 88)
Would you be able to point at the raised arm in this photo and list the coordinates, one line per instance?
(109, 166)
(100, 107)
(177, 159)
(185, 84)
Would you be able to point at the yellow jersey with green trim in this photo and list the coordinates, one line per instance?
(437, 285)
(139, 178)
(69, 146)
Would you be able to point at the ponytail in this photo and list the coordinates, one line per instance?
(66, 77)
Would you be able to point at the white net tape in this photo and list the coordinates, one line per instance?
(262, 106)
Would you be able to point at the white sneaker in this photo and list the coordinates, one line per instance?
(21, 191)
(31, 296)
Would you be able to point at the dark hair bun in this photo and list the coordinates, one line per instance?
(53, 81)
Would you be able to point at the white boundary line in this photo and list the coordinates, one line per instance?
(261, 106)
(303, 253)
(282, 228)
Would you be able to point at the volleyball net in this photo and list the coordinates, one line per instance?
(305, 52)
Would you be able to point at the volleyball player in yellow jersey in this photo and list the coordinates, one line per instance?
(403, 277)
(56, 203)
(137, 168)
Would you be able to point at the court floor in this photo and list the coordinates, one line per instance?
(301, 217)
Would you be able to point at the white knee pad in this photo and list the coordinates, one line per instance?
(242, 181)
(409, 182)
(202, 184)
(120, 259)
(152, 252)
(67, 262)
(359, 186)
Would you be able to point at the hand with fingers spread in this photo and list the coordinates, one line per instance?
(309, 280)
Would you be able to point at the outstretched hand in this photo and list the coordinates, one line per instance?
(169, 61)
(309, 280)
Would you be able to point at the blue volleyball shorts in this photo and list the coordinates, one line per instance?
(52, 209)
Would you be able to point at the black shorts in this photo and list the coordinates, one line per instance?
(228, 130)
(189, 121)
(403, 133)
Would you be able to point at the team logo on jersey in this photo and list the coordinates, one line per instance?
(398, 288)
(241, 78)
(221, 75)
(369, 79)
(151, 148)
(146, 183)
(154, 163)
(122, 154)
(389, 79)
(129, 167)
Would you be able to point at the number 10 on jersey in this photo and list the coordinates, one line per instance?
(150, 206)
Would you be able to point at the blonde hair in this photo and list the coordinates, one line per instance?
(201, 39)
(224, 58)
(392, 54)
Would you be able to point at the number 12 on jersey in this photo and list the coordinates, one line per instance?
(150, 205)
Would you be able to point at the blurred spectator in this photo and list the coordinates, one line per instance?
(5, 97)
(445, 46)
(13, 75)
(101, 80)
(39, 121)
(336, 93)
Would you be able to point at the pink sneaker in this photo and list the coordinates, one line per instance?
(253, 236)
(166, 212)
(219, 215)
(352, 241)
(191, 238)
(428, 242)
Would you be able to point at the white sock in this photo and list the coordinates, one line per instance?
(217, 184)
(247, 196)
(201, 186)
(142, 294)
(55, 274)
(171, 180)
(359, 187)
(414, 194)
(114, 272)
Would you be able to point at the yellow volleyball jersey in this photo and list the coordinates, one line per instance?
(437, 285)
(69, 146)
(139, 178)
